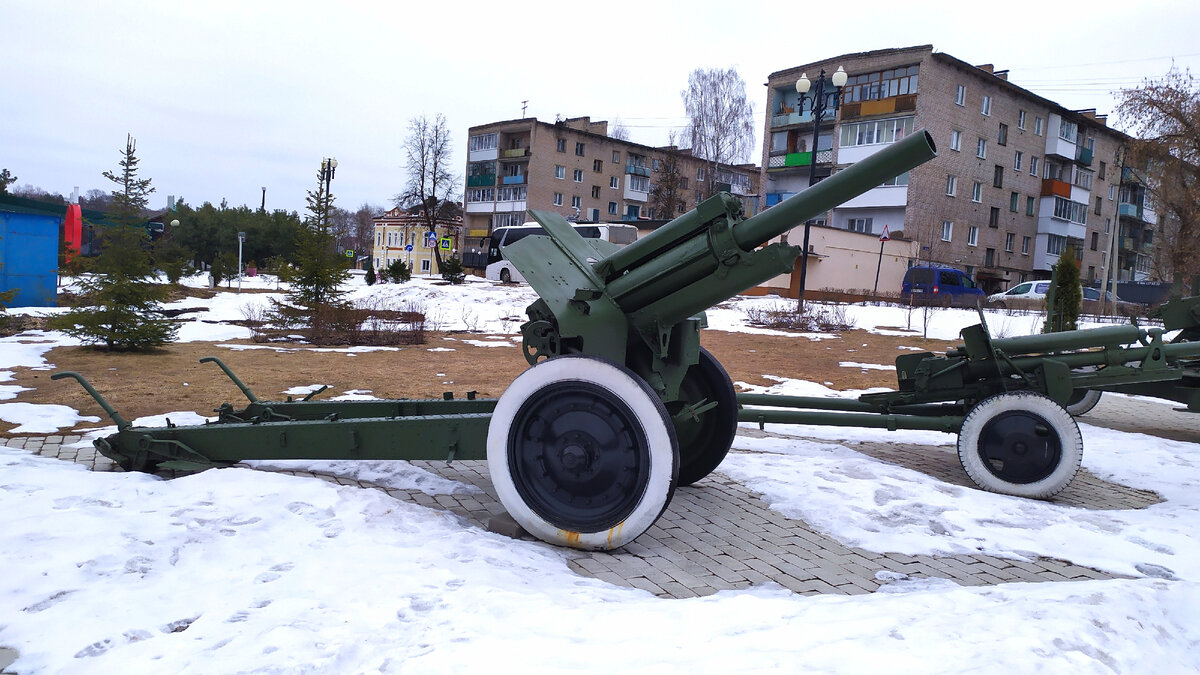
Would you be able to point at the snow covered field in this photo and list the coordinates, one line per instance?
(237, 570)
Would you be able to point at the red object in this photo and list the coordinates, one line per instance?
(73, 230)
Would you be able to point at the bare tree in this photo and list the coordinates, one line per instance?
(362, 228)
(431, 180)
(667, 196)
(618, 130)
(1164, 115)
(722, 119)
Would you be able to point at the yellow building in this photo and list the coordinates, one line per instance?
(401, 234)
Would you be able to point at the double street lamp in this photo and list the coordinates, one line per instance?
(328, 169)
(819, 102)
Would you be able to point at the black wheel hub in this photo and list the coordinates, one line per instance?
(1020, 447)
(578, 457)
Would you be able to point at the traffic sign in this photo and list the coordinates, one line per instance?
(408, 247)
(349, 253)
(430, 240)
(885, 236)
(445, 243)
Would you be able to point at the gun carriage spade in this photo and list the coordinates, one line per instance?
(621, 404)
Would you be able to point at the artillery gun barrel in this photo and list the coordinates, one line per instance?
(1109, 337)
(670, 274)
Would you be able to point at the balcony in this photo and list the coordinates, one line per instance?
(1057, 188)
(794, 159)
(515, 154)
(637, 170)
(1129, 210)
(1083, 156)
(636, 195)
(514, 180)
(481, 180)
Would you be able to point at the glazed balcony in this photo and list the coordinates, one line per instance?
(481, 180)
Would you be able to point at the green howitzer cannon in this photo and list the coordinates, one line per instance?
(621, 405)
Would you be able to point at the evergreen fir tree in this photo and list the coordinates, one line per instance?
(371, 279)
(124, 310)
(452, 270)
(318, 270)
(1068, 294)
(398, 272)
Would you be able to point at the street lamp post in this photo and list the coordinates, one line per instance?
(241, 240)
(328, 168)
(818, 102)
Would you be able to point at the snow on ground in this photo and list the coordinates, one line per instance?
(244, 570)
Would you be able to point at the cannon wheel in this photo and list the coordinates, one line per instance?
(1020, 443)
(582, 453)
(1082, 401)
(704, 442)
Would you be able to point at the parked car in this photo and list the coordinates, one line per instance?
(940, 285)
(1032, 295)
(1021, 295)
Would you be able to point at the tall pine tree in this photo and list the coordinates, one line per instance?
(318, 269)
(123, 311)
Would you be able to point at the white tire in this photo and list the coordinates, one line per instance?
(1082, 401)
(1020, 443)
(582, 453)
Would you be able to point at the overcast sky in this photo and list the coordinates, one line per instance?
(225, 98)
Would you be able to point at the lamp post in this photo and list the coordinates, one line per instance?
(328, 169)
(241, 240)
(818, 103)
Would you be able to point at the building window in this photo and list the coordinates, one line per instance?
(1107, 225)
(956, 140)
(597, 166)
(515, 193)
(1030, 203)
(700, 173)
(876, 131)
(558, 199)
(560, 172)
(998, 176)
(977, 191)
(902, 179)
(951, 185)
(1014, 202)
(881, 84)
(859, 225)
(683, 180)
(576, 202)
(481, 195)
(1102, 167)
(1066, 209)
(1025, 245)
(483, 142)
(639, 183)
(1054, 244)
(981, 149)
(947, 228)
(1020, 122)
(595, 192)
(1033, 164)
(614, 182)
(1112, 192)
(425, 266)
(579, 149)
(960, 97)
(989, 259)
(1099, 201)
(1018, 160)
(616, 157)
(1009, 239)
(577, 175)
(985, 105)
(972, 235)
(561, 145)
(1037, 126)
(612, 208)
(994, 217)
(1068, 131)
(1002, 135)
(656, 164)
(1095, 240)
(1083, 179)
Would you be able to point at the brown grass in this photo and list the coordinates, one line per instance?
(172, 378)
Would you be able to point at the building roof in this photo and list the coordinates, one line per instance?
(997, 77)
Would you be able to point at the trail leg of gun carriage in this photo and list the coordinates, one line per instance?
(621, 404)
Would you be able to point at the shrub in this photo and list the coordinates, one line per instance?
(452, 270)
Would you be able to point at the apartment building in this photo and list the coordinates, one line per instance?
(401, 234)
(574, 168)
(1017, 177)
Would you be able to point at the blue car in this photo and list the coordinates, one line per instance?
(932, 284)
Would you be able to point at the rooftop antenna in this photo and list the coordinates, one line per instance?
(524, 104)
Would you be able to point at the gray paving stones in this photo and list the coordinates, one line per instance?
(718, 535)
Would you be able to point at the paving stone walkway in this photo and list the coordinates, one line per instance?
(720, 535)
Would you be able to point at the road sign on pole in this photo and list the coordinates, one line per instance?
(885, 236)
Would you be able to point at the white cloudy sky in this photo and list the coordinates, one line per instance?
(227, 97)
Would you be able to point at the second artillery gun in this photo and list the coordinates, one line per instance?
(621, 404)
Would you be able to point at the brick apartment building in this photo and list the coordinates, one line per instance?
(1017, 176)
(574, 167)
